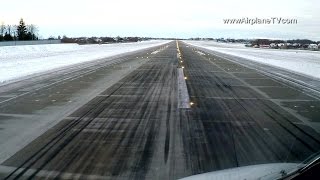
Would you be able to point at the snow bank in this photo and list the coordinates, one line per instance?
(301, 61)
(19, 61)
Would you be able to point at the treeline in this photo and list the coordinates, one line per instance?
(101, 40)
(268, 41)
(20, 32)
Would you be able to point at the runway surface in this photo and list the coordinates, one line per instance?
(129, 119)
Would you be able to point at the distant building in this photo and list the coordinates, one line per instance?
(296, 45)
(97, 40)
(281, 45)
(313, 46)
(273, 45)
(264, 46)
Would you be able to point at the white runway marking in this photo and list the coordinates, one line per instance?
(183, 95)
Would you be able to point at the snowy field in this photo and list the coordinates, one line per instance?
(20, 61)
(301, 61)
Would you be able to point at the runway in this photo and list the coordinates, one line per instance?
(135, 117)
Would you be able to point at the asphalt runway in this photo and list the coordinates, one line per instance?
(132, 126)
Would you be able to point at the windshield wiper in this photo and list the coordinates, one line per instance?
(308, 169)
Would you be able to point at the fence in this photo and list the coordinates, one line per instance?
(19, 43)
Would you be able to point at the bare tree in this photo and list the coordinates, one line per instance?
(18, 32)
(9, 29)
(15, 32)
(2, 29)
(33, 29)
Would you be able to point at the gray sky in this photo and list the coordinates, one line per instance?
(165, 18)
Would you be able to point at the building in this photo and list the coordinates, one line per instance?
(313, 46)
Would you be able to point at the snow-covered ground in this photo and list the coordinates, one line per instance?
(20, 61)
(301, 61)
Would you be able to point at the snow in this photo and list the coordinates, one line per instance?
(301, 61)
(20, 61)
(159, 50)
(155, 52)
(200, 53)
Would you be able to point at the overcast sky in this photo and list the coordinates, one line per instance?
(164, 18)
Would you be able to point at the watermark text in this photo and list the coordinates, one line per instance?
(255, 21)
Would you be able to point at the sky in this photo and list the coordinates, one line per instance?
(165, 18)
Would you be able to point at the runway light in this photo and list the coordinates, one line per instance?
(181, 61)
(185, 78)
(182, 67)
(191, 103)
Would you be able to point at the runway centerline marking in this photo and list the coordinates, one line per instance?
(183, 95)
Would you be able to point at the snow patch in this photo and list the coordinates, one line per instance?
(200, 53)
(159, 50)
(301, 61)
(20, 61)
(155, 52)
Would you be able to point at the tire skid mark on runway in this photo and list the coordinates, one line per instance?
(206, 149)
(134, 129)
(283, 117)
(59, 136)
(93, 149)
(167, 141)
(140, 134)
(227, 88)
(117, 169)
(55, 140)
